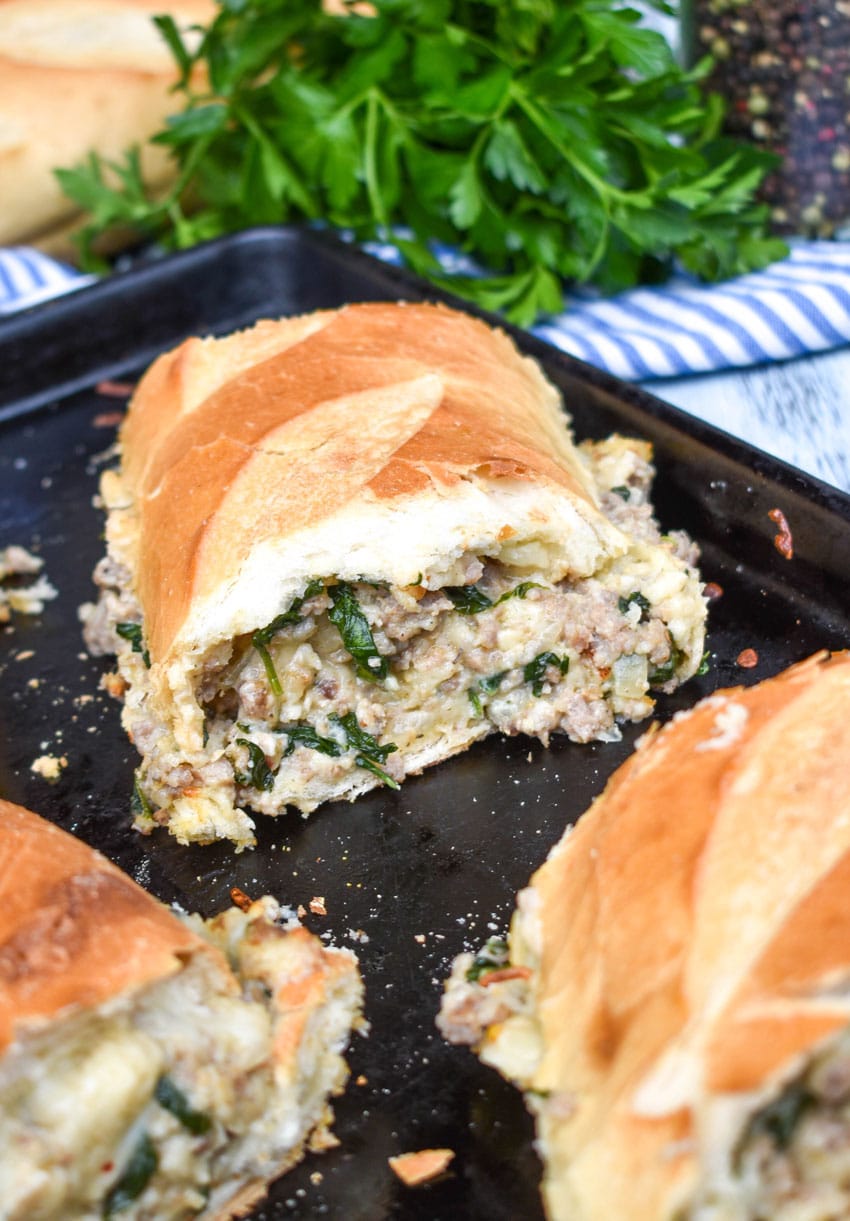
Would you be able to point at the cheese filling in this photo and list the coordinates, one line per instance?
(793, 1161)
(359, 682)
(164, 1105)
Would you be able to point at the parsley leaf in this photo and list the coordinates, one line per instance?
(548, 141)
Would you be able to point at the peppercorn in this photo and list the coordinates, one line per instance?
(783, 67)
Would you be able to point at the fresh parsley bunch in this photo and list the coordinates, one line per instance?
(552, 140)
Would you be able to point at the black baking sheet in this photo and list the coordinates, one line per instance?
(409, 879)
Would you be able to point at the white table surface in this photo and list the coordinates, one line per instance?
(798, 411)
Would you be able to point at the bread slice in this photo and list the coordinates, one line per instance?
(674, 997)
(151, 1066)
(352, 543)
(79, 76)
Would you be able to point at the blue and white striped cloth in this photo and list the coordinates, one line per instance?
(28, 277)
(797, 306)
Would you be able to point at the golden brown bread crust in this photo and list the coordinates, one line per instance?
(690, 944)
(77, 76)
(74, 930)
(437, 397)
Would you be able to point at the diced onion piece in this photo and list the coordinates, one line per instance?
(630, 677)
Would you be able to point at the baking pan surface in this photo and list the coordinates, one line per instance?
(408, 879)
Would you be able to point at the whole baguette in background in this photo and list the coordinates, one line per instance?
(78, 76)
(151, 1066)
(344, 546)
(675, 995)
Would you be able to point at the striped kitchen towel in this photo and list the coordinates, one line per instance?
(797, 306)
(28, 277)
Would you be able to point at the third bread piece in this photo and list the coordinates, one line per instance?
(675, 995)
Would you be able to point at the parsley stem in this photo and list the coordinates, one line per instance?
(370, 158)
(603, 189)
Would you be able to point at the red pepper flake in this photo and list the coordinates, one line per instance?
(115, 390)
(239, 898)
(826, 134)
(421, 1166)
(108, 419)
(748, 658)
(783, 542)
(713, 591)
(503, 973)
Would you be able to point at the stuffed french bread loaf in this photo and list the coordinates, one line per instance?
(674, 995)
(343, 547)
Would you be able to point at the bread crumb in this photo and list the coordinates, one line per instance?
(321, 1140)
(16, 561)
(50, 767)
(421, 1166)
(420, 938)
(317, 905)
(113, 684)
(361, 1080)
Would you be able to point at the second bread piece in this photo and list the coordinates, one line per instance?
(79, 76)
(345, 546)
(153, 1067)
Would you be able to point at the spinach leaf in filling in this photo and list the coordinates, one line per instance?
(369, 751)
(300, 733)
(133, 633)
(491, 957)
(261, 637)
(140, 807)
(259, 775)
(353, 626)
(137, 1174)
(172, 1099)
(663, 673)
(471, 600)
(779, 1119)
(636, 599)
(535, 671)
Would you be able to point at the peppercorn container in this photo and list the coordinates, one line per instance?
(784, 70)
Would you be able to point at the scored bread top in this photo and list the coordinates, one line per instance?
(75, 931)
(359, 414)
(693, 938)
